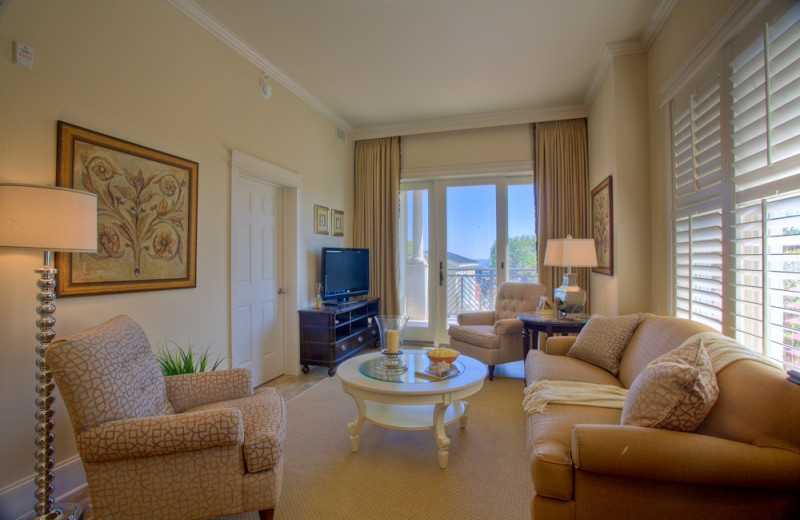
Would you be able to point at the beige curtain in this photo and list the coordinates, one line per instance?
(561, 185)
(377, 188)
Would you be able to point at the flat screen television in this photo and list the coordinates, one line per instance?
(345, 273)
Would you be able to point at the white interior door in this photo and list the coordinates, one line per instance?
(257, 325)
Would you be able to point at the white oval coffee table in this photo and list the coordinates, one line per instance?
(408, 401)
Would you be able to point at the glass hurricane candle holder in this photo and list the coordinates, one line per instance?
(391, 328)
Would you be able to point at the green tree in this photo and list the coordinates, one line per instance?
(521, 252)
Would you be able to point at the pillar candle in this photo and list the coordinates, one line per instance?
(392, 341)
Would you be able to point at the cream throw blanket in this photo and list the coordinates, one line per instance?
(722, 351)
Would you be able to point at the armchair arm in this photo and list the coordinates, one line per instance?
(476, 318)
(559, 345)
(508, 326)
(161, 435)
(651, 453)
(186, 391)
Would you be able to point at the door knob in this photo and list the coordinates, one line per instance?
(281, 291)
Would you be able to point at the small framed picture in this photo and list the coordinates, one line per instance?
(320, 220)
(337, 223)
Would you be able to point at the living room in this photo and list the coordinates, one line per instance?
(146, 73)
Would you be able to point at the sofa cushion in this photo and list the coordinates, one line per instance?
(603, 340)
(675, 391)
(540, 365)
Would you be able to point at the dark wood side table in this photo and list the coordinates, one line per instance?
(550, 326)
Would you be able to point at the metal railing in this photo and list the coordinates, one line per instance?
(475, 289)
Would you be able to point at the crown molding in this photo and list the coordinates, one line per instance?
(209, 23)
(448, 124)
(655, 24)
(610, 51)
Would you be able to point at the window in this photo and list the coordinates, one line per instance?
(736, 192)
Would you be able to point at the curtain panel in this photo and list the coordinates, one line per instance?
(377, 188)
(561, 186)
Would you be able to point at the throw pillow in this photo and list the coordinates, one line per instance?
(674, 392)
(603, 340)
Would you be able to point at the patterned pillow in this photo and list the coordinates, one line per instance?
(603, 340)
(674, 392)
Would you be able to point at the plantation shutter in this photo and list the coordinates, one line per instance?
(765, 125)
(697, 202)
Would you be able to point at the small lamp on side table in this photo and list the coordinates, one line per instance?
(49, 219)
(570, 252)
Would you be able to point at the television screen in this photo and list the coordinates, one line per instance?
(345, 272)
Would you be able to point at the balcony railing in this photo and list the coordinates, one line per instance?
(475, 289)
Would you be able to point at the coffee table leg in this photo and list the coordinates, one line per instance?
(464, 413)
(441, 437)
(356, 425)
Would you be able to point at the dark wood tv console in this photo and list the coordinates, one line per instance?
(331, 334)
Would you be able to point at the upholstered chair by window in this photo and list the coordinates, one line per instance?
(495, 337)
(185, 447)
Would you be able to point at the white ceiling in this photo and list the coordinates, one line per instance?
(393, 66)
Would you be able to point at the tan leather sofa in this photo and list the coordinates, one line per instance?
(742, 462)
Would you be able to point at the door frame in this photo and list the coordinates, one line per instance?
(289, 183)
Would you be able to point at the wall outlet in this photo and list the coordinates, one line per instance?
(23, 55)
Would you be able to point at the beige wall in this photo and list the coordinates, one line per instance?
(618, 148)
(143, 72)
(467, 147)
(687, 25)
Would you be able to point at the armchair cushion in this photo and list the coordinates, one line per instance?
(480, 335)
(108, 373)
(160, 435)
(264, 416)
(190, 390)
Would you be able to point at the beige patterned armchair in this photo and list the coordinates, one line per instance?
(185, 447)
(495, 337)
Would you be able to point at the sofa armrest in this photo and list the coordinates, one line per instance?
(508, 326)
(161, 435)
(559, 345)
(186, 391)
(651, 453)
(476, 318)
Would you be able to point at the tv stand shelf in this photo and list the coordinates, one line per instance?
(331, 334)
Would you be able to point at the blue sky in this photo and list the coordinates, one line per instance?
(471, 220)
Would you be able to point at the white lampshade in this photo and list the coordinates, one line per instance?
(47, 218)
(570, 252)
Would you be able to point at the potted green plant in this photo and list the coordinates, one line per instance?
(179, 360)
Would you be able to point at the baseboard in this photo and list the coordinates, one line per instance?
(17, 500)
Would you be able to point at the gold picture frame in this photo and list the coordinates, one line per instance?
(337, 223)
(602, 227)
(321, 223)
(146, 215)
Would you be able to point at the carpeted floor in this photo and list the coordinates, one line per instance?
(395, 474)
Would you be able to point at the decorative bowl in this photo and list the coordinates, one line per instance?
(442, 355)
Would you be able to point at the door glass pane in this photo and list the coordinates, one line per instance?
(521, 243)
(415, 272)
(471, 238)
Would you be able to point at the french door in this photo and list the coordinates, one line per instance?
(462, 238)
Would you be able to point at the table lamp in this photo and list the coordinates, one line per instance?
(49, 219)
(570, 252)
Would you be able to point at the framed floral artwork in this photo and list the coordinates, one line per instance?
(321, 224)
(146, 215)
(337, 223)
(602, 227)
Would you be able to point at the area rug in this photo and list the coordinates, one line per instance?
(395, 474)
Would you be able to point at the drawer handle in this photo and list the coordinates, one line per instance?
(343, 348)
(360, 339)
